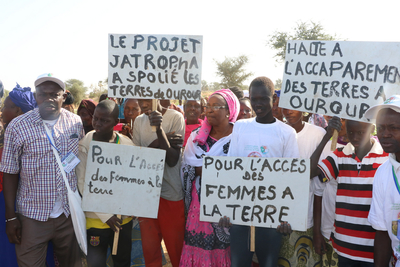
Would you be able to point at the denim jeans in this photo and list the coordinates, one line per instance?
(267, 245)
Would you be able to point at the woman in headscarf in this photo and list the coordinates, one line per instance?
(85, 111)
(207, 244)
(19, 101)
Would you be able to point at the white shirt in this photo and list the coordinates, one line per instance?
(308, 140)
(385, 207)
(253, 139)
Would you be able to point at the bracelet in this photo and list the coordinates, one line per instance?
(12, 219)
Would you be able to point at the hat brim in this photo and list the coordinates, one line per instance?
(50, 79)
(372, 112)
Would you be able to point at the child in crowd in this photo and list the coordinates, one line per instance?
(101, 226)
(246, 112)
(308, 138)
(263, 136)
(170, 223)
(324, 203)
(276, 110)
(192, 109)
(131, 111)
(353, 167)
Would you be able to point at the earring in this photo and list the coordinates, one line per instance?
(227, 116)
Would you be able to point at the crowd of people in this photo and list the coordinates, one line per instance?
(353, 206)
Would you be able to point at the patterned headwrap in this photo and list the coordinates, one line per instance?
(87, 104)
(23, 98)
(233, 106)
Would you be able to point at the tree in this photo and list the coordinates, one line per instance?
(303, 31)
(77, 89)
(278, 84)
(232, 71)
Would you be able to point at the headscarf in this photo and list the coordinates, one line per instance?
(23, 98)
(89, 105)
(233, 106)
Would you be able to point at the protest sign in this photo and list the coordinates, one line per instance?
(339, 78)
(256, 191)
(119, 179)
(154, 66)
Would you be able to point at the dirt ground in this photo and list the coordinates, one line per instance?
(168, 264)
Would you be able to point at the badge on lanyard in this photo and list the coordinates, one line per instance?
(69, 162)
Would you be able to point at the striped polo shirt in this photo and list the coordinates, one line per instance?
(353, 236)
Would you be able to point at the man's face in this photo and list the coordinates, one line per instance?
(49, 97)
(388, 130)
(145, 105)
(131, 110)
(261, 101)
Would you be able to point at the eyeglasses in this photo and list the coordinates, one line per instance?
(215, 108)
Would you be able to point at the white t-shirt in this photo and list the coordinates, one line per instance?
(328, 193)
(58, 208)
(253, 139)
(384, 213)
(308, 140)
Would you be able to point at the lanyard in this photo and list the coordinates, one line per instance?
(48, 137)
(395, 180)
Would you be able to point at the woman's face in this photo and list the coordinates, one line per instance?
(10, 111)
(245, 110)
(192, 110)
(86, 117)
(217, 111)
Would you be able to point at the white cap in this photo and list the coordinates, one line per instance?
(392, 102)
(49, 77)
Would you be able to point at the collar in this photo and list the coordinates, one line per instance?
(394, 162)
(36, 115)
(376, 149)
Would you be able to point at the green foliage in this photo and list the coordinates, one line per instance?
(209, 87)
(98, 90)
(232, 71)
(303, 31)
(77, 89)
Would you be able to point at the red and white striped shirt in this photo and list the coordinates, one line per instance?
(27, 152)
(353, 236)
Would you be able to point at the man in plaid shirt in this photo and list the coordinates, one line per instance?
(35, 194)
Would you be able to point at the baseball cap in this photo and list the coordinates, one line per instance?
(49, 77)
(392, 102)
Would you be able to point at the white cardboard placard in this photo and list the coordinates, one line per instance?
(149, 66)
(256, 191)
(339, 78)
(123, 179)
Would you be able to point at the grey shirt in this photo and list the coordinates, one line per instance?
(173, 121)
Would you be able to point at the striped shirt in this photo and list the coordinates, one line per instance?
(27, 152)
(353, 236)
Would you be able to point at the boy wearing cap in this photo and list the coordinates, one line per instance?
(384, 214)
(35, 194)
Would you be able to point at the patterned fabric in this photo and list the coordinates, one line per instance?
(189, 174)
(206, 244)
(298, 250)
(318, 120)
(27, 151)
(353, 236)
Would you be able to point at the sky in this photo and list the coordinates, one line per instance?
(69, 38)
